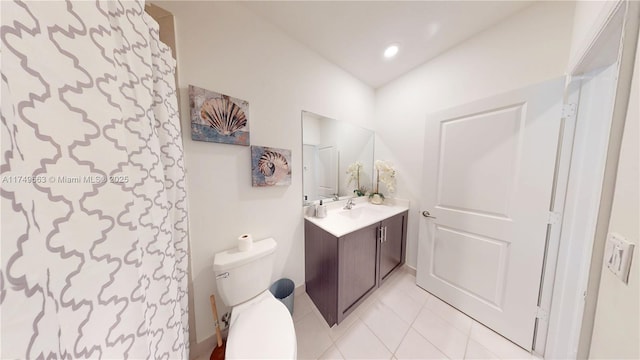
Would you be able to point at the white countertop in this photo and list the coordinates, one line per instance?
(340, 222)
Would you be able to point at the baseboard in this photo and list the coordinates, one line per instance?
(203, 349)
(299, 290)
(411, 270)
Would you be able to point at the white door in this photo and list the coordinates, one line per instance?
(327, 171)
(487, 183)
(309, 155)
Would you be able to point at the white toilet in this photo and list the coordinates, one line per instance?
(261, 326)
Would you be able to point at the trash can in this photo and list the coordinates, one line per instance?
(283, 291)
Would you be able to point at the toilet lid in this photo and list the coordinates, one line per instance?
(262, 330)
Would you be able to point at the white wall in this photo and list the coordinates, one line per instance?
(225, 48)
(589, 16)
(530, 47)
(616, 331)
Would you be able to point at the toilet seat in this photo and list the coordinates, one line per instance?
(261, 328)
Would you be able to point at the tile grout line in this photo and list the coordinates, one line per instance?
(422, 336)
(447, 321)
(417, 332)
(466, 347)
(341, 335)
(411, 327)
(393, 352)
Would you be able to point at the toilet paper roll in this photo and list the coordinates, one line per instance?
(245, 242)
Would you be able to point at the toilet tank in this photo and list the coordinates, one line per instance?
(242, 275)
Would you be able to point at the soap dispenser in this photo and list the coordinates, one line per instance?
(309, 207)
(321, 210)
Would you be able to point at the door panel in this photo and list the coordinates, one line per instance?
(391, 250)
(485, 262)
(327, 171)
(480, 176)
(309, 171)
(487, 181)
(358, 261)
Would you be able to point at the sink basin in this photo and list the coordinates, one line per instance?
(358, 212)
(340, 222)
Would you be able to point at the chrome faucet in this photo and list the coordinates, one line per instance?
(336, 197)
(350, 204)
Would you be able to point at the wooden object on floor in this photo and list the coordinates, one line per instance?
(218, 351)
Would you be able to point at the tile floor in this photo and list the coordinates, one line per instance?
(399, 321)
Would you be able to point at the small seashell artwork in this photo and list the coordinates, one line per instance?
(218, 118)
(270, 166)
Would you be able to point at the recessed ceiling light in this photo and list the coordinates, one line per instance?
(391, 51)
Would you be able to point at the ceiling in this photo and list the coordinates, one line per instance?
(354, 34)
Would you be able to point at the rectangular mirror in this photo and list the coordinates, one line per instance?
(329, 148)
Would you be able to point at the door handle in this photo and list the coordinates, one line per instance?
(385, 234)
(428, 215)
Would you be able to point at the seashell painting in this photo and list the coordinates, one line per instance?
(218, 118)
(270, 166)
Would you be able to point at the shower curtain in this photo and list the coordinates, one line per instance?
(93, 201)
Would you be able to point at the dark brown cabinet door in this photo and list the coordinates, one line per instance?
(392, 244)
(357, 274)
(321, 270)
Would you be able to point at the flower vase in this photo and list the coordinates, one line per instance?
(376, 199)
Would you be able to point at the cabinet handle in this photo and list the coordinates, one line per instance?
(381, 234)
(385, 234)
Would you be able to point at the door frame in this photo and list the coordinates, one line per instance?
(574, 261)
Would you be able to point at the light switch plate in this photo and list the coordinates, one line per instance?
(617, 256)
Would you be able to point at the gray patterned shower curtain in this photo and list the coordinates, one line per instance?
(94, 244)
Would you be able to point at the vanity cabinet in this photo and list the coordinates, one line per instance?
(342, 271)
(392, 244)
